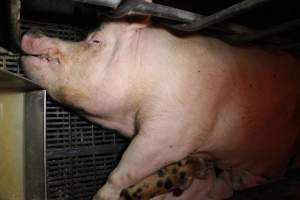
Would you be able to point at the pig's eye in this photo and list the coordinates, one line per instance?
(95, 42)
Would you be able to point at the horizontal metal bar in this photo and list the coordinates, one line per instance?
(257, 35)
(220, 16)
(12, 81)
(102, 149)
(61, 179)
(5, 51)
(107, 3)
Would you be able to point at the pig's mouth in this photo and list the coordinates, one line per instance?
(42, 58)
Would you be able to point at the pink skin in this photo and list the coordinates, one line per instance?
(177, 96)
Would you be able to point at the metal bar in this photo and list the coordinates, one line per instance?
(174, 14)
(196, 22)
(12, 81)
(124, 8)
(166, 12)
(35, 145)
(5, 51)
(107, 3)
(257, 35)
(10, 24)
(220, 16)
(103, 149)
(14, 31)
(153, 9)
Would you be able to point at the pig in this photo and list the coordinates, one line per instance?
(177, 96)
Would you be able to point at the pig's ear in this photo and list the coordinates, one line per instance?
(94, 39)
(139, 21)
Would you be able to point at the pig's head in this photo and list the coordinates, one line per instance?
(70, 71)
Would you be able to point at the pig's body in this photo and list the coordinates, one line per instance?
(236, 106)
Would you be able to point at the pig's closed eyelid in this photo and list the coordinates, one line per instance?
(96, 41)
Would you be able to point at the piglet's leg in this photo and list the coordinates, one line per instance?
(199, 189)
(175, 178)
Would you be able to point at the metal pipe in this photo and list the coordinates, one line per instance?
(153, 9)
(107, 3)
(193, 21)
(140, 6)
(257, 35)
(220, 16)
(124, 8)
(165, 12)
(10, 24)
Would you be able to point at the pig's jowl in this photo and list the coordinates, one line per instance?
(177, 96)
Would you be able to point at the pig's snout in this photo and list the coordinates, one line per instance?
(35, 43)
(34, 32)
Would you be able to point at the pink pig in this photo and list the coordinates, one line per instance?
(177, 96)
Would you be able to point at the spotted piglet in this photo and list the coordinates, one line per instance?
(174, 178)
